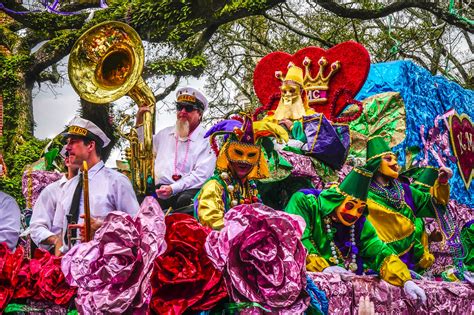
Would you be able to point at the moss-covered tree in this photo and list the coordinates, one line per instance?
(183, 30)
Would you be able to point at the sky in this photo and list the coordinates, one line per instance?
(52, 111)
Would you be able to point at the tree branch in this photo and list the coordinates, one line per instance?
(367, 14)
(170, 88)
(53, 51)
(297, 31)
(52, 76)
(55, 22)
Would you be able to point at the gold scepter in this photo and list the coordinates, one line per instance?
(87, 210)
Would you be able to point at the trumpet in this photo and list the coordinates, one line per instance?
(105, 64)
(87, 211)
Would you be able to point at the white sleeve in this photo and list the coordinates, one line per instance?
(43, 214)
(125, 198)
(9, 222)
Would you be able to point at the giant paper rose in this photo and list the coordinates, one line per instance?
(113, 270)
(51, 284)
(262, 258)
(183, 277)
(10, 264)
(29, 274)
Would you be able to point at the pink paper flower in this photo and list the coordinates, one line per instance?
(262, 258)
(113, 270)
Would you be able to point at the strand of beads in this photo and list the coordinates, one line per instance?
(335, 252)
(240, 195)
(394, 196)
(353, 263)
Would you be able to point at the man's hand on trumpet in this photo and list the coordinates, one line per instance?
(95, 225)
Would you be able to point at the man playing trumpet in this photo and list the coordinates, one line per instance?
(109, 190)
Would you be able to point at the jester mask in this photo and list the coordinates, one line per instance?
(243, 145)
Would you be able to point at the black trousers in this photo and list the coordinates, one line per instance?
(181, 202)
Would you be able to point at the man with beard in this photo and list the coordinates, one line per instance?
(42, 231)
(184, 160)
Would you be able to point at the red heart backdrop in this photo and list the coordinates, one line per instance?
(462, 142)
(355, 65)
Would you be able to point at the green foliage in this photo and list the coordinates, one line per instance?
(26, 153)
(50, 21)
(254, 6)
(10, 67)
(187, 66)
(167, 20)
(16, 157)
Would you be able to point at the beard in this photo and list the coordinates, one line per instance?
(289, 108)
(182, 128)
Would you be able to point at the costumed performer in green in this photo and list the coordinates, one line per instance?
(395, 206)
(339, 238)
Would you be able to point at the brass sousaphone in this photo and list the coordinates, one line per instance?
(105, 64)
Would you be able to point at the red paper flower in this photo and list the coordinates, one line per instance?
(51, 283)
(184, 277)
(10, 264)
(27, 277)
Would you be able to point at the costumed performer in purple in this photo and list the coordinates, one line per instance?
(240, 161)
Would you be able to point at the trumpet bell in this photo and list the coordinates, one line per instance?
(106, 62)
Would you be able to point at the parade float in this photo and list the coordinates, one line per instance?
(256, 264)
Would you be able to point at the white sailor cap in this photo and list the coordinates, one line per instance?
(82, 127)
(191, 96)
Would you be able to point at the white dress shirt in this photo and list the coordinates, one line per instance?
(9, 220)
(41, 223)
(195, 167)
(108, 191)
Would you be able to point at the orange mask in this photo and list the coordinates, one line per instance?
(350, 210)
(389, 166)
(243, 153)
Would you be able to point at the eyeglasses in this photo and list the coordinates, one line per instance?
(187, 108)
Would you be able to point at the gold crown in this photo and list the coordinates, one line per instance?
(294, 74)
(317, 87)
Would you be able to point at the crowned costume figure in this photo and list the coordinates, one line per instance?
(239, 163)
(394, 207)
(293, 105)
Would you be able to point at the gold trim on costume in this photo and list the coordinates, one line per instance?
(406, 250)
(362, 172)
(376, 136)
(346, 194)
(390, 226)
(381, 154)
(394, 271)
(422, 184)
(383, 265)
(317, 132)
